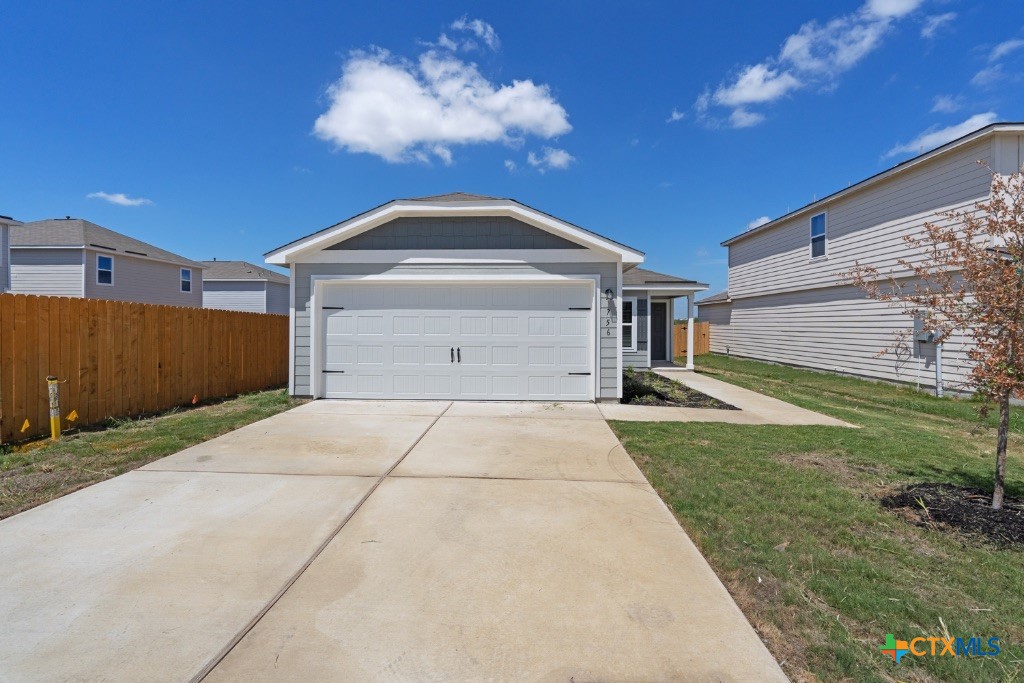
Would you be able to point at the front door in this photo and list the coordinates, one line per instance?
(659, 330)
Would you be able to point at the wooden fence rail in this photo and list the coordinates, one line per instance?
(701, 338)
(118, 359)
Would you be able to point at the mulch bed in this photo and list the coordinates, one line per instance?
(965, 510)
(646, 388)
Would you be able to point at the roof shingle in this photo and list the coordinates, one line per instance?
(240, 270)
(79, 233)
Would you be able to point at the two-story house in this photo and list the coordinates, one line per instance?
(788, 300)
(77, 258)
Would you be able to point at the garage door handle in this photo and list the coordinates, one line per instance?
(458, 352)
(453, 353)
(579, 373)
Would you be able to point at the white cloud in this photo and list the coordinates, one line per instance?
(550, 158)
(947, 104)
(510, 165)
(119, 198)
(758, 222)
(932, 138)
(988, 76)
(814, 56)
(1004, 48)
(481, 29)
(754, 85)
(403, 111)
(935, 22)
(741, 118)
(676, 115)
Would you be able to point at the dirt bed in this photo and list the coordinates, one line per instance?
(964, 510)
(646, 388)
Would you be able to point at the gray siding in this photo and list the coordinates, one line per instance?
(868, 226)
(5, 257)
(638, 358)
(608, 341)
(143, 280)
(454, 232)
(246, 295)
(48, 272)
(837, 329)
(277, 298)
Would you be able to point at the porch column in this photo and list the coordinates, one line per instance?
(689, 331)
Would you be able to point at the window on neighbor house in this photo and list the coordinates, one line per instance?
(629, 324)
(186, 280)
(818, 235)
(104, 270)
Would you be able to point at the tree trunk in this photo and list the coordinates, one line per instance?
(1004, 430)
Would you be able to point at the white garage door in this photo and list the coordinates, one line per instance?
(458, 341)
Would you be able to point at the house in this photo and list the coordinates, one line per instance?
(462, 296)
(5, 251)
(242, 286)
(788, 300)
(74, 257)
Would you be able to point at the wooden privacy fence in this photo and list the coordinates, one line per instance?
(118, 359)
(701, 338)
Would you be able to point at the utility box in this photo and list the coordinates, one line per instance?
(921, 334)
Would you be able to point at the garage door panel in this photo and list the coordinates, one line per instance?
(515, 342)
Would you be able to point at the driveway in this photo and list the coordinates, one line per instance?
(364, 541)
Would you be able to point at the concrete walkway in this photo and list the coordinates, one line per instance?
(754, 408)
(373, 541)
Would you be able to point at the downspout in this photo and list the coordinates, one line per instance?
(938, 369)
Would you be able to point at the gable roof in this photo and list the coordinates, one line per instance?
(451, 204)
(77, 233)
(240, 270)
(641, 276)
(718, 298)
(1007, 126)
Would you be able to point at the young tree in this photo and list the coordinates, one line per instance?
(968, 275)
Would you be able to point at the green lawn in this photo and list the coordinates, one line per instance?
(789, 518)
(34, 473)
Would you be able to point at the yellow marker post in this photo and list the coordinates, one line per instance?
(53, 386)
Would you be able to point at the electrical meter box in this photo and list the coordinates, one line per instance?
(921, 334)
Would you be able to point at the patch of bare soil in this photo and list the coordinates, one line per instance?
(963, 510)
(646, 388)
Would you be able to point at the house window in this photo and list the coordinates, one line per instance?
(186, 280)
(104, 270)
(629, 324)
(818, 235)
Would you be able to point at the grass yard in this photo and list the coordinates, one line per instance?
(790, 519)
(39, 471)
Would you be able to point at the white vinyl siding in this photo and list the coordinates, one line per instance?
(47, 272)
(236, 295)
(836, 329)
(868, 226)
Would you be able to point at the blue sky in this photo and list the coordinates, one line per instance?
(217, 131)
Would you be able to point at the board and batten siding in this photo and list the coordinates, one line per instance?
(277, 298)
(143, 280)
(838, 329)
(235, 295)
(47, 272)
(607, 341)
(455, 232)
(868, 226)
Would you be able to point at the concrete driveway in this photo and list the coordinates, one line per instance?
(366, 541)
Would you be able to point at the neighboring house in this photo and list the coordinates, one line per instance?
(242, 286)
(5, 251)
(73, 257)
(462, 296)
(788, 300)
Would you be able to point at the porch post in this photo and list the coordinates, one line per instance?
(689, 331)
